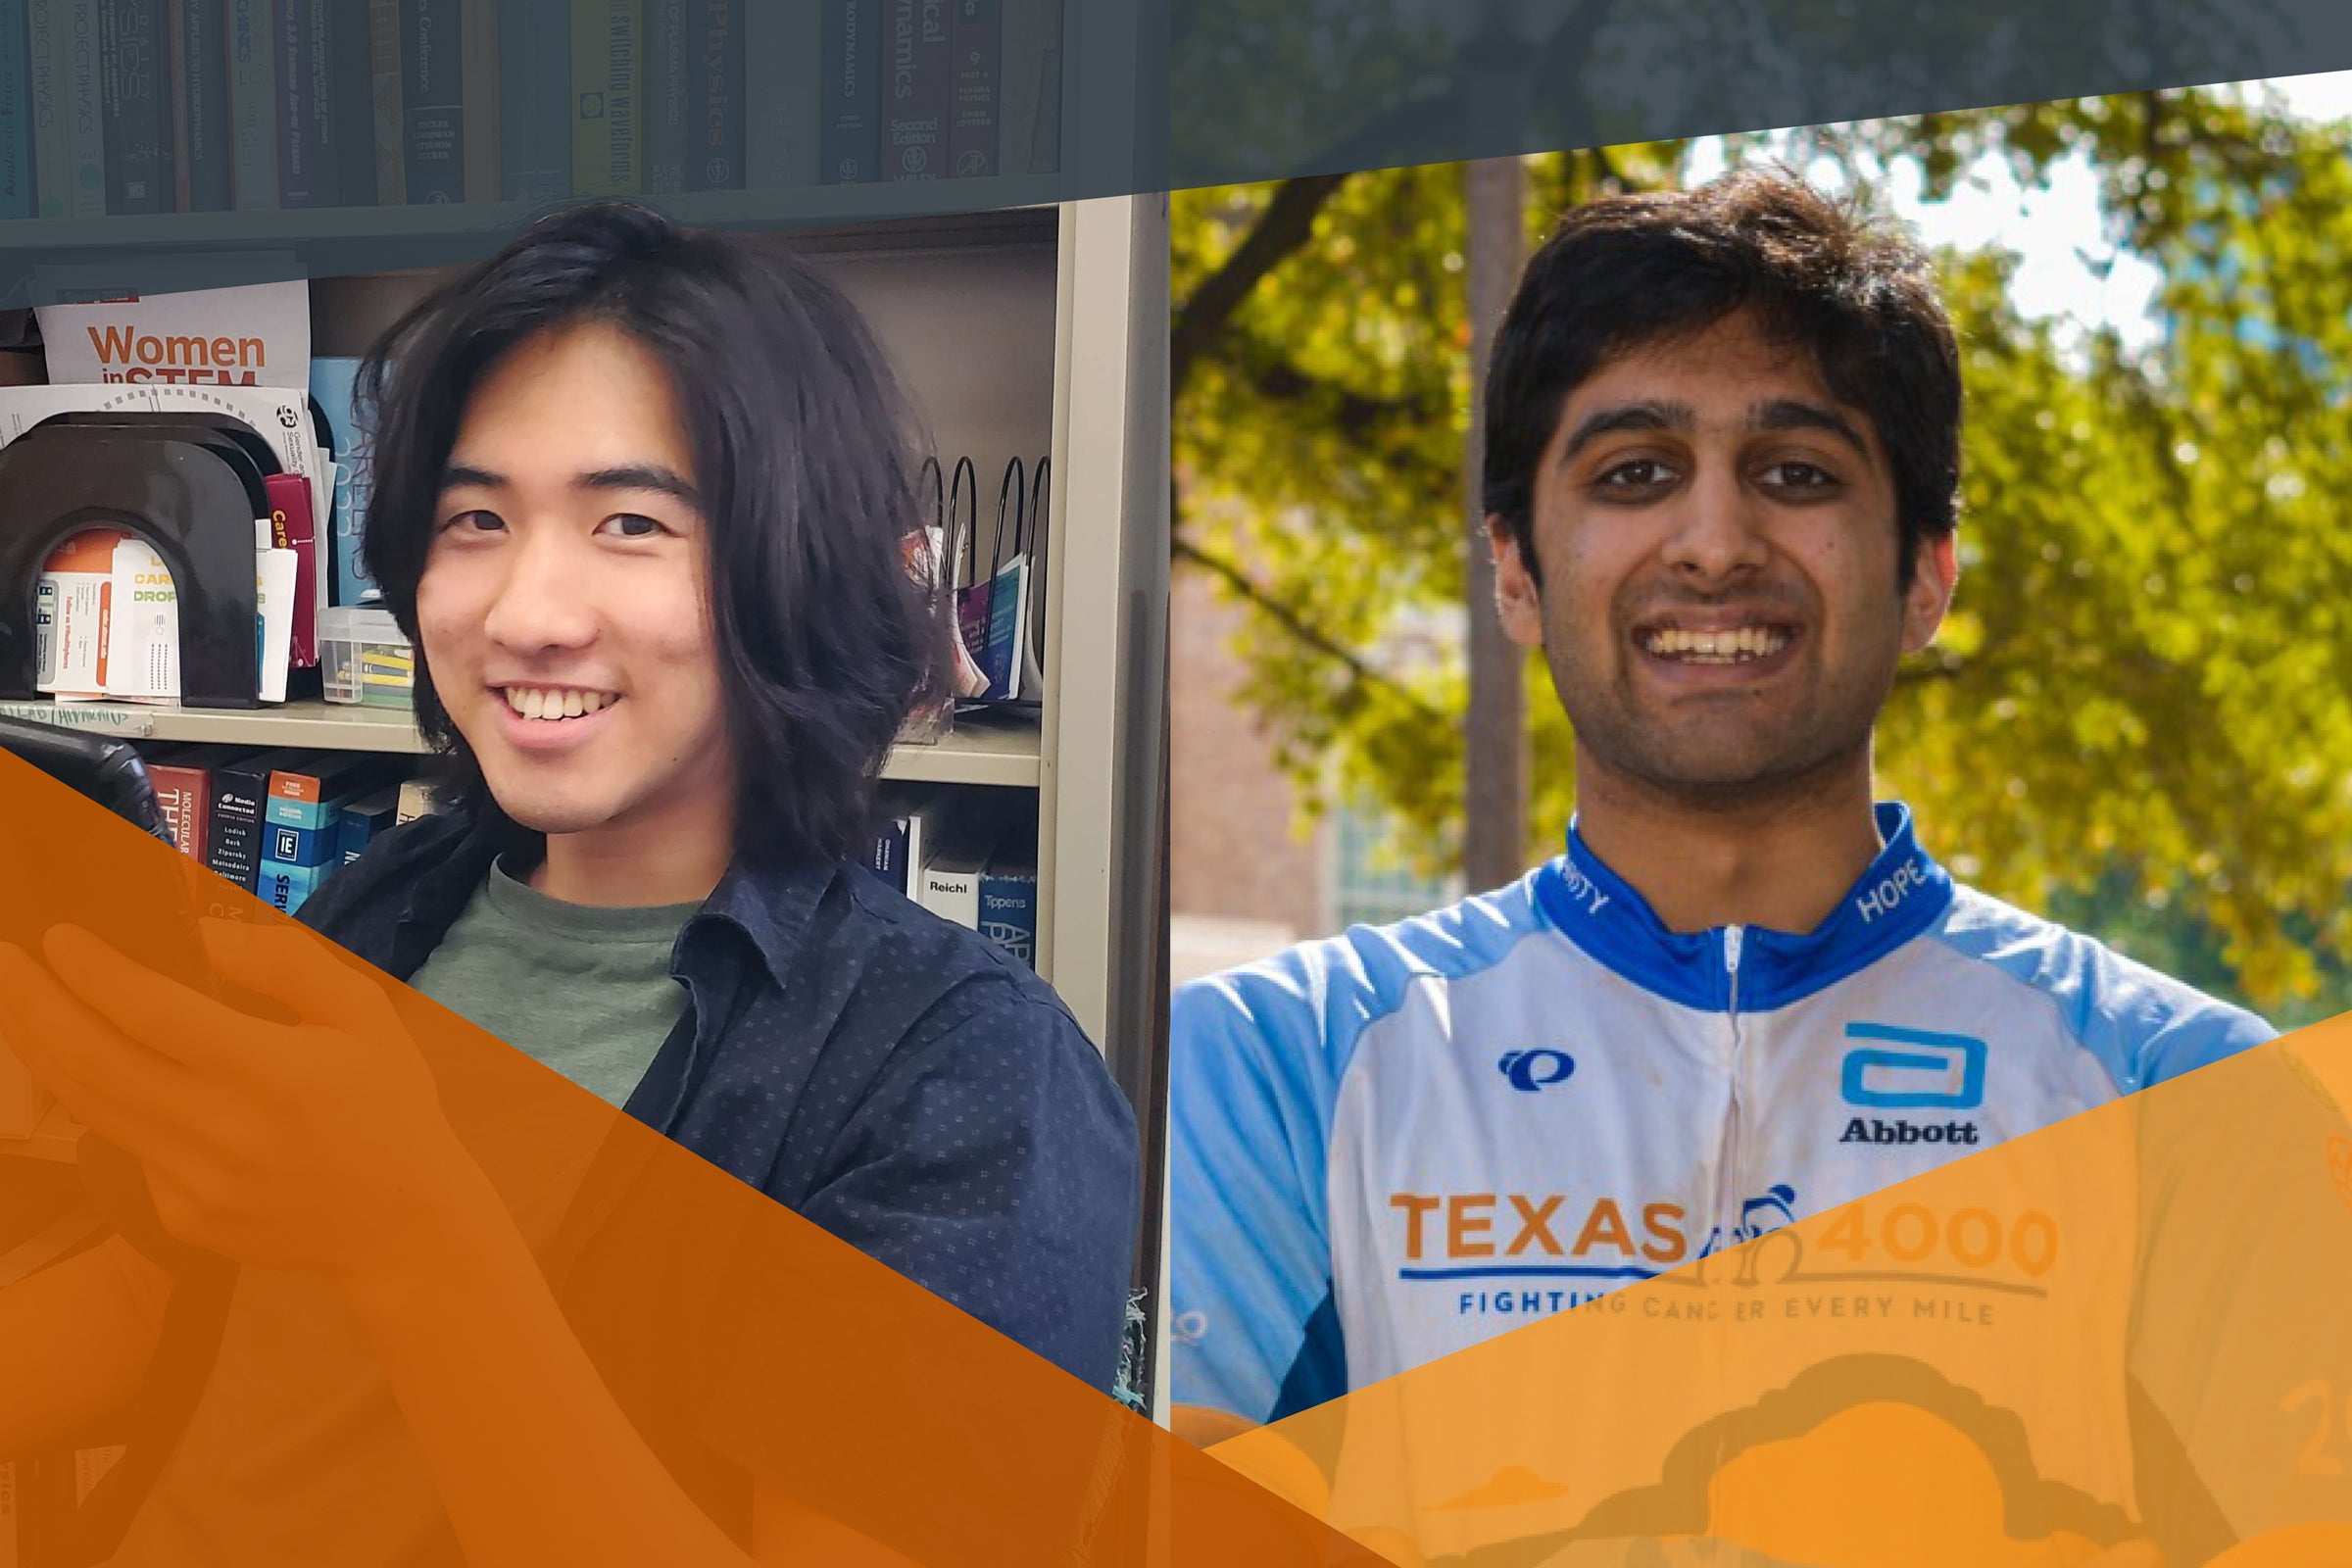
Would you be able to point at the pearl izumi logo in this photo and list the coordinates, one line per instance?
(1873, 1130)
(1531, 1070)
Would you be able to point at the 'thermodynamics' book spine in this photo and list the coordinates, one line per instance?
(535, 99)
(16, 177)
(252, 103)
(432, 55)
(849, 97)
(714, 95)
(783, 109)
(914, 91)
(606, 55)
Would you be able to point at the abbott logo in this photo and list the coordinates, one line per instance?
(1531, 1070)
(1942, 1071)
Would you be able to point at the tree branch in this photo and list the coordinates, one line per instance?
(1286, 226)
(1290, 620)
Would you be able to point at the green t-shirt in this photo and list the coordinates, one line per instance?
(581, 989)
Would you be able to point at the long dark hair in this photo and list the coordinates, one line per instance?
(802, 441)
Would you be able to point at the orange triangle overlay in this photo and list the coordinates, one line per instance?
(2134, 1325)
(745, 1344)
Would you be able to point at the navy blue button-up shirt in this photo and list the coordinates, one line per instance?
(893, 1077)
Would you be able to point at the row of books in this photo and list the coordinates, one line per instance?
(279, 822)
(967, 855)
(127, 106)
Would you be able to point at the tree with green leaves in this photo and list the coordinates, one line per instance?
(2140, 709)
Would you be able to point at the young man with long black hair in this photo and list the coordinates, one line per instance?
(643, 501)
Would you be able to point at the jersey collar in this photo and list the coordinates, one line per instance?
(1902, 893)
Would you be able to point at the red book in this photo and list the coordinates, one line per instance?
(184, 788)
(291, 529)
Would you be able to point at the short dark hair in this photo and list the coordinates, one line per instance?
(801, 441)
(1626, 271)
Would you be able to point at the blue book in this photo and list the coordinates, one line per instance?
(332, 383)
(714, 95)
(535, 99)
(302, 845)
(1008, 898)
(284, 887)
(433, 99)
(850, 98)
(16, 126)
(362, 821)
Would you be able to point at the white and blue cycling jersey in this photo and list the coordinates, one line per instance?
(1396, 1143)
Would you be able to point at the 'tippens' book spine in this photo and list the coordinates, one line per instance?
(535, 99)
(714, 95)
(914, 91)
(975, 47)
(432, 53)
(252, 103)
(850, 98)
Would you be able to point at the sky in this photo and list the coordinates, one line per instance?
(2055, 228)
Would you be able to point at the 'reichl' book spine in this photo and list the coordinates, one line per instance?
(432, 86)
(976, 49)
(131, 54)
(715, 105)
(535, 99)
(915, 90)
(662, 97)
(211, 158)
(252, 103)
(850, 99)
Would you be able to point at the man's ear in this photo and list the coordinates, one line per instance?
(1934, 576)
(1518, 601)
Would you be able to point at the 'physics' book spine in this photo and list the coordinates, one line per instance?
(606, 138)
(850, 96)
(783, 118)
(433, 87)
(662, 98)
(714, 94)
(212, 160)
(976, 47)
(914, 90)
(535, 99)
(1008, 902)
(16, 176)
(252, 103)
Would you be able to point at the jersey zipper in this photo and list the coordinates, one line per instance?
(1729, 1217)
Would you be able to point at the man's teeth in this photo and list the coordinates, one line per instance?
(534, 701)
(1730, 647)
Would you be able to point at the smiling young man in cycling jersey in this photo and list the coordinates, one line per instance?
(1723, 447)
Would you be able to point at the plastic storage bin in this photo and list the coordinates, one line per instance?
(364, 659)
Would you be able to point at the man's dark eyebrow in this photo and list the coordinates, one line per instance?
(1648, 414)
(1793, 414)
(640, 476)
